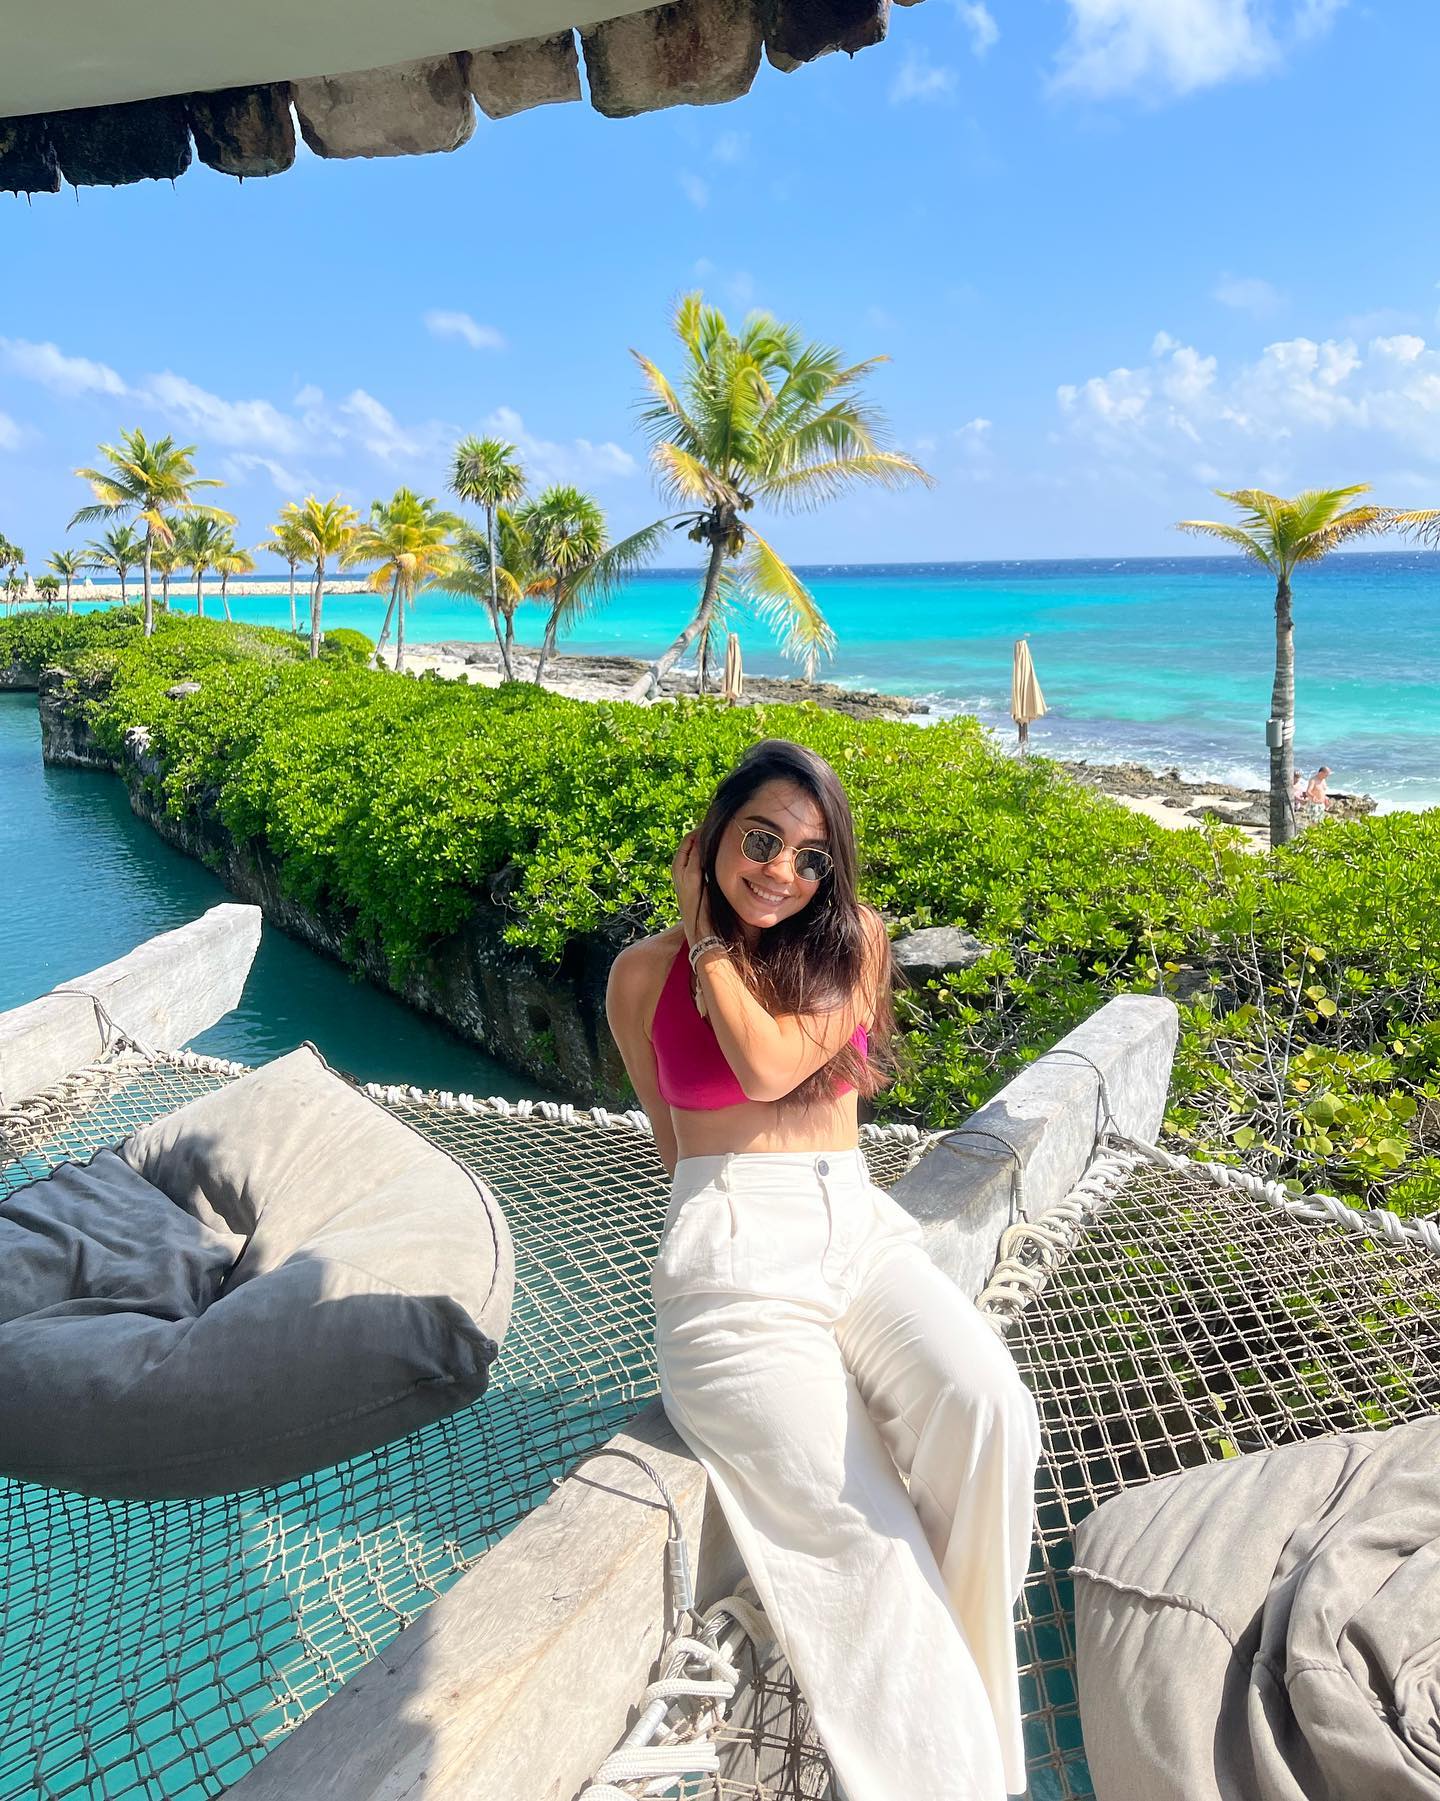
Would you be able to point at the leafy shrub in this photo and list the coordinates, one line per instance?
(343, 644)
(1307, 980)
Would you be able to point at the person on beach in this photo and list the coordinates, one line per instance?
(1317, 796)
(867, 1434)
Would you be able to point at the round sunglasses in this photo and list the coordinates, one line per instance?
(759, 846)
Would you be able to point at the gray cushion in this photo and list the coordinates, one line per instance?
(1267, 1628)
(279, 1275)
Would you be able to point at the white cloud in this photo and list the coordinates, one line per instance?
(545, 461)
(975, 16)
(916, 80)
(47, 364)
(245, 422)
(1156, 48)
(441, 324)
(1298, 402)
(974, 431)
(695, 190)
(10, 433)
(1248, 294)
(731, 147)
(242, 464)
(379, 430)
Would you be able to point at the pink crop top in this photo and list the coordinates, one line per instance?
(689, 1062)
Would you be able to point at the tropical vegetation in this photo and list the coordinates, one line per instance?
(121, 549)
(325, 527)
(486, 472)
(147, 482)
(66, 565)
(409, 542)
(1308, 979)
(1281, 535)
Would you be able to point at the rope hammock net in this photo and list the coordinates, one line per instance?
(1162, 1316)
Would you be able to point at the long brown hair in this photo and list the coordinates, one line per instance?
(813, 961)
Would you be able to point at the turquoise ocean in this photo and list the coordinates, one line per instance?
(1164, 660)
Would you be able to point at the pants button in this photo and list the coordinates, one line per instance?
(823, 1167)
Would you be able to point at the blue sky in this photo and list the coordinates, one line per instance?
(1119, 252)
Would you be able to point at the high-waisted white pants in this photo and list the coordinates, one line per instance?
(813, 1357)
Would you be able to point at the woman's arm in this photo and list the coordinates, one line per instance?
(770, 1056)
(627, 994)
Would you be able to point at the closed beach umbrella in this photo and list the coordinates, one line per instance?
(1026, 700)
(734, 675)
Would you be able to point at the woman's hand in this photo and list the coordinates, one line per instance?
(690, 889)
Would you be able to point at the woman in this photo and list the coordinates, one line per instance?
(810, 1354)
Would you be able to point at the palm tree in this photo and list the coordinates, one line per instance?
(487, 473)
(409, 539)
(11, 557)
(512, 576)
(288, 542)
(758, 415)
(120, 549)
(1279, 535)
(231, 560)
(327, 527)
(578, 567)
(199, 541)
(147, 482)
(67, 564)
(166, 561)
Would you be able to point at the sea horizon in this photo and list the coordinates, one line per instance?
(1161, 660)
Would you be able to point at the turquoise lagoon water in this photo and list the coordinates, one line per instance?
(1164, 660)
(85, 881)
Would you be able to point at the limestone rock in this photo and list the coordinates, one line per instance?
(244, 131)
(511, 78)
(27, 158)
(690, 53)
(797, 31)
(935, 949)
(110, 146)
(181, 689)
(405, 111)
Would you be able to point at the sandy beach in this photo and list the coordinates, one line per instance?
(1165, 795)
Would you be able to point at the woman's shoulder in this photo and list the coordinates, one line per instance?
(645, 958)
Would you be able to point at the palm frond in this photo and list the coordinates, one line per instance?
(802, 489)
(1229, 534)
(782, 599)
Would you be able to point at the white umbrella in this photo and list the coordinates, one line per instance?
(734, 674)
(1026, 700)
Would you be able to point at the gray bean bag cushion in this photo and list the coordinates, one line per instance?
(1289, 1644)
(279, 1275)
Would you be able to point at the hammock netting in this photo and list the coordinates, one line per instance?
(158, 1649)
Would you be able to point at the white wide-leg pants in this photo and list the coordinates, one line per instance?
(814, 1359)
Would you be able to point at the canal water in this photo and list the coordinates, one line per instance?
(82, 881)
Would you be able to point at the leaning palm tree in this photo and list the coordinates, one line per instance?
(1280, 535)
(327, 527)
(121, 549)
(67, 564)
(579, 568)
(233, 559)
(409, 539)
(199, 541)
(512, 575)
(288, 542)
(758, 415)
(147, 482)
(487, 473)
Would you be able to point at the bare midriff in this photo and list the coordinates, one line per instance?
(826, 1125)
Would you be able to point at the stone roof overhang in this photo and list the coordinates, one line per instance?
(94, 118)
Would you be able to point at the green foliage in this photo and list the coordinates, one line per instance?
(343, 644)
(1307, 980)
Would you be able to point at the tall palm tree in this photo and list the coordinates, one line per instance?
(121, 549)
(67, 564)
(288, 542)
(579, 568)
(1280, 535)
(410, 541)
(11, 557)
(758, 415)
(199, 541)
(487, 473)
(147, 482)
(327, 527)
(233, 559)
(512, 575)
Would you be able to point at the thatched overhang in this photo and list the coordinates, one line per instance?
(251, 75)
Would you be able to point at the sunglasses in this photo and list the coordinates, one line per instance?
(760, 846)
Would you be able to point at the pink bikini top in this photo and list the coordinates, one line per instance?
(689, 1062)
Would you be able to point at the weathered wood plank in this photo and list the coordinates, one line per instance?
(164, 991)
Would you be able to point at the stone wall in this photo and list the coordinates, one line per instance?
(544, 1021)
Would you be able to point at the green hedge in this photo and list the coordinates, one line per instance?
(1307, 979)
